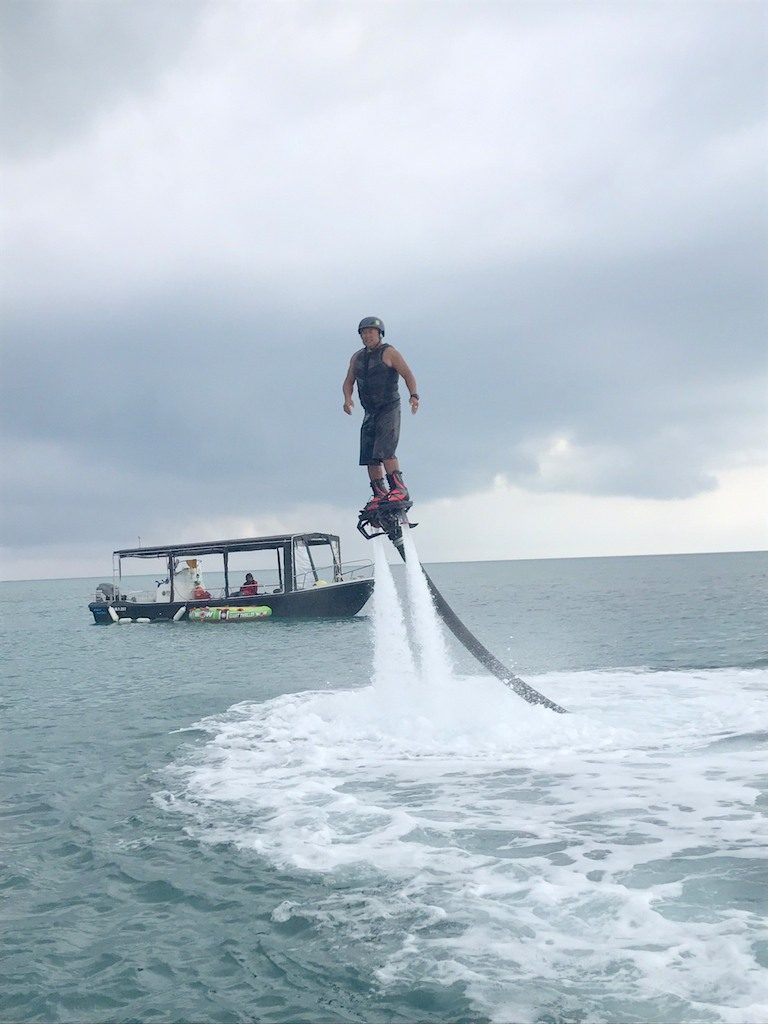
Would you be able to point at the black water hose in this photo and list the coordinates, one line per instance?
(483, 655)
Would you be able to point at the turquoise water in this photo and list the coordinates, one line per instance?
(234, 824)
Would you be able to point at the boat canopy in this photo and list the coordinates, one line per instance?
(220, 547)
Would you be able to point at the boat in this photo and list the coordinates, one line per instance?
(309, 581)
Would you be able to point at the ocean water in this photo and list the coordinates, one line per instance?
(349, 821)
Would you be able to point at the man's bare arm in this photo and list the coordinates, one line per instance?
(393, 358)
(346, 387)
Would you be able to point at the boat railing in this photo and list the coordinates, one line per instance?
(217, 593)
(323, 576)
(319, 576)
(264, 590)
(137, 597)
(361, 569)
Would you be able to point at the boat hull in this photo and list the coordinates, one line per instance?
(337, 600)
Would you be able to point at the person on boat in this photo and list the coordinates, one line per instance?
(250, 587)
(200, 593)
(376, 368)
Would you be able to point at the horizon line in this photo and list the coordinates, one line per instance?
(462, 561)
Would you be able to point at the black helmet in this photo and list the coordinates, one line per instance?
(371, 321)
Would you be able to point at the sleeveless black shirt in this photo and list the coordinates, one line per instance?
(376, 382)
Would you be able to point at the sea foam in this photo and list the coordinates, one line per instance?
(600, 865)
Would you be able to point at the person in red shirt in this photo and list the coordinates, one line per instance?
(250, 587)
(200, 593)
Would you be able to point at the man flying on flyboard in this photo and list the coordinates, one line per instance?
(376, 368)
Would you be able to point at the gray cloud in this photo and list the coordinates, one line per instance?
(65, 64)
(566, 234)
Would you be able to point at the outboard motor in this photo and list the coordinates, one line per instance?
(106, 592)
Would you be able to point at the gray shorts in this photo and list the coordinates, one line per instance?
(379, 435)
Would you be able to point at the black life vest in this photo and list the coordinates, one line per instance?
(376, 382)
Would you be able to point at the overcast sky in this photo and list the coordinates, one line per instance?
(558, 209)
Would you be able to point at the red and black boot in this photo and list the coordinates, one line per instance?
(398, 492)
(380, 495)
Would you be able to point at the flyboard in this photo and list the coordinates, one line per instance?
(389, 520)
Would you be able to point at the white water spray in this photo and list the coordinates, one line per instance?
(393, 663)
(436, 665)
